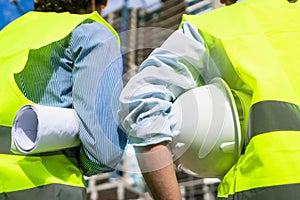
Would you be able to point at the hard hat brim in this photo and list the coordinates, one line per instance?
(209, 139)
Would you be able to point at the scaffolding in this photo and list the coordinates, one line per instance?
(100, 187)
(146, 31)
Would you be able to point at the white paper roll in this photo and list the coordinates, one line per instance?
(38, 129)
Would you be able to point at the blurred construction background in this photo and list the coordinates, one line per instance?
(143, 25)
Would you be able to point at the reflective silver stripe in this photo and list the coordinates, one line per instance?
(48, 192)
(268, 116)
(5, 140)
(282, 192)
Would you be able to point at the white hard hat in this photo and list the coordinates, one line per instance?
(209, 139)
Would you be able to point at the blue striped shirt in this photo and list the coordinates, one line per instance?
(84, 71)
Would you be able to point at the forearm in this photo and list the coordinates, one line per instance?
(158, 171)
(146, 106)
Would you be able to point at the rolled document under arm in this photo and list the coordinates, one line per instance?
(38, 129)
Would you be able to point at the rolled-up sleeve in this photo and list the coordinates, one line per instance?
(169, 71)
(97, 77)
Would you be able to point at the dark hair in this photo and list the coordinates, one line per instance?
(72, 6)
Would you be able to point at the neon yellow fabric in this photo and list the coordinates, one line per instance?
(258, 40)
(17, 39)
(24, 172)
(276, 165)
(266, 37)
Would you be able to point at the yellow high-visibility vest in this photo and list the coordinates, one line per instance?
(24, 173)
(254, 45)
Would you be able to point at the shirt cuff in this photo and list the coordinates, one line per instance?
(151, 130)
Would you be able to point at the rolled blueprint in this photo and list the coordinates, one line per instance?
(38, 129)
